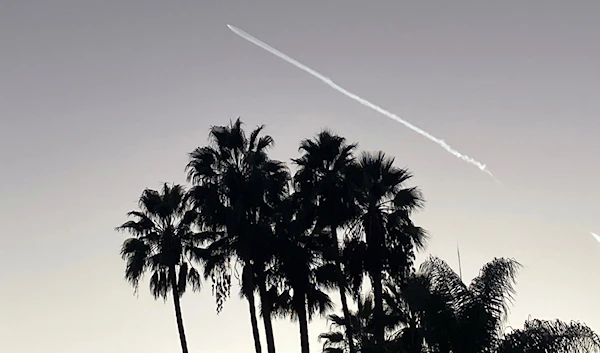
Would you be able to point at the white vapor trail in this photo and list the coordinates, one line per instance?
(360, 100)
(368, 104)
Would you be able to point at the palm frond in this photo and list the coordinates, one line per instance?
(135, 252)
(332, 337)
(159, 284)
(318, 303)
(445, 281)
(194, 279)
(495, 285)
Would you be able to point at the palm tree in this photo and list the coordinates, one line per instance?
(236, 190)
(445, 315)
(299, 270)
(323, 186)
(478, 311)
(384, 238)
(164, 244)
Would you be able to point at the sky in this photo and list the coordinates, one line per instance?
(101, 99)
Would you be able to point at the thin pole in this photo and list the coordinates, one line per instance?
(459, 265)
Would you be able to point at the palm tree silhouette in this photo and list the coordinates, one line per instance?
(237, 188)
(363, 324)
(299, 270)
(164, 244)
(383, 238)
(473, 319)
(324, 188)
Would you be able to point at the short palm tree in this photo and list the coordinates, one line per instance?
(165, 245)
(324, 189)
(445, 315)
(478, 311)
(363, 324)
(384, 238)
(236, 190)
(408, 332)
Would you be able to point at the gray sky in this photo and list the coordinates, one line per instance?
(99, 100)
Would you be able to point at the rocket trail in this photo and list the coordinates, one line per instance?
(368, 104)
(361, 100)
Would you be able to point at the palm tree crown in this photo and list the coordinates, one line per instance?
(163, 241)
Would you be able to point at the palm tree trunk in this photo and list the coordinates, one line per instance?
(254, 321)
(266, 314)
(178, 315)
(342, 287)
(252, 306)
(300, 305)
(375, 241)
(378, 309)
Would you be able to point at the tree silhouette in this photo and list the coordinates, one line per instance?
(299, 270)
(164, 244)
(325, 189)
(237, 188)
(384, 238)
(363, 324)
(478, 310)
(339, 220)
(540, 336)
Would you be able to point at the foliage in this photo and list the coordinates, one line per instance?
(163, 241)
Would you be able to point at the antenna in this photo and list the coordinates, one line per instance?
(459, 265)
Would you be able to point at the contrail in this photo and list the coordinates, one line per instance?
(596, 236)
(360, 100)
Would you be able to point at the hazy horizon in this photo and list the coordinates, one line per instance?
(100, 100)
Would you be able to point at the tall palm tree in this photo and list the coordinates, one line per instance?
(322, 184)
(385, 238)
(164, 244)
(236, 190)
